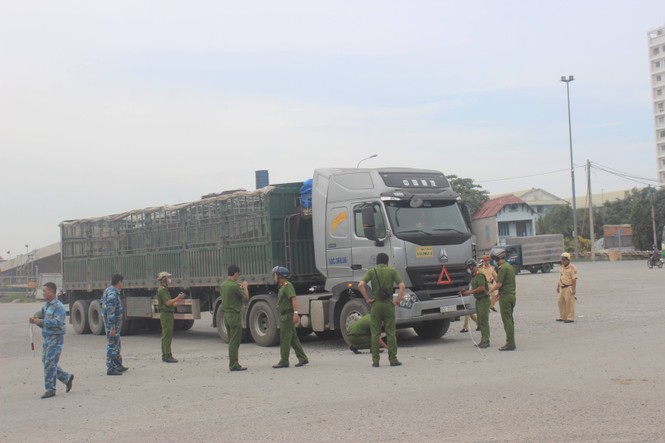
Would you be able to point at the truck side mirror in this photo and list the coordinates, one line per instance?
(369, 225)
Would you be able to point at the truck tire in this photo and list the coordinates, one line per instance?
(95, 320)
(547, 267)
(221, 327)
(351, 312)
(328, 335)
(432, 329)
(263, 324)
(533, 269)
(79, 316)
(186, 325)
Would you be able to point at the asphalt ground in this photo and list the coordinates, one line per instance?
(599, 379)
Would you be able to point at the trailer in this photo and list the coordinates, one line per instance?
(327, 235)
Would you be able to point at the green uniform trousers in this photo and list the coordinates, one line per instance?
(233, 325)
(288, 338)
(506, 306)
(166, 320)
(360, 341)
(483, 311)
(383, 315)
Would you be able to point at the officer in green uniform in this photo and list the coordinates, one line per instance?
(233, 295)
(360, 335)
(166, 310)
(382, 309)
(479, 289)
(288, 319)
(505, 283)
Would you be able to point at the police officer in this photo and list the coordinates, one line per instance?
(490, 275)
(52, 321)
(112, 311)
(382, 309)
(479, 289)
(566, 288)
(360, 335)
(505, 283)
(233, 296)
(166, 310)
(287, 303)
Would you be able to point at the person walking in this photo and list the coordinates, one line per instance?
(382, 311)
(480, 291)
(490, 275)
(287, 303)
(360, 335)
(465, 327)
(166, 311)
(112, 312)
(51, 319)
(567, 289)
(505, 284)
(233, 295)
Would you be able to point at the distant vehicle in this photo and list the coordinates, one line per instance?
(533, 253)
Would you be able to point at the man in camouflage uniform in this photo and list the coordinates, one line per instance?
(52, 321)
(112, 311)
(382, 311)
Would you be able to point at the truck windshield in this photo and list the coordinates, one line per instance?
(434, 217)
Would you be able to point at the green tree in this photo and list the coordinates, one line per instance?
(472, 194)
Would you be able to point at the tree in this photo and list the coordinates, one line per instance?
(472, 194)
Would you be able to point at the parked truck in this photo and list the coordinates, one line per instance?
(328, 236)
(533, 253)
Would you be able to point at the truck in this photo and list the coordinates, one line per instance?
(328, 236)
(533, 253)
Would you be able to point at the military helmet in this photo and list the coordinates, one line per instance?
(498, 253)
(162, 275)
(281, 271)
(470, 262)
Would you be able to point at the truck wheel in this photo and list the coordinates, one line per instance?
(95, 320)
(432, 329)
(221, 327)
(79, 316)
(328, 335)
(533, 269)
(547, 267)
(186, 325)
(351, 312)
(263, 324)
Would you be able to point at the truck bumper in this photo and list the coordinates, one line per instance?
(449, 307)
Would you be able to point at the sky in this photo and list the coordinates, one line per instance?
(111, 106)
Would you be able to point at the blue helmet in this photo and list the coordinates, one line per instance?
(281, 271)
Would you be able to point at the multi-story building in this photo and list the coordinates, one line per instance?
(657, 68)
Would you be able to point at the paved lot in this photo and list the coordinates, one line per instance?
(599, 379)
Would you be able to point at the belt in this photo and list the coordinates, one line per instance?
(287, 311)
(564, 286)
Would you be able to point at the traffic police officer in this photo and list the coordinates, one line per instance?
(382, 310)
(233, 295)
(112, 311)
(479, 289)
(52, 321)
(287, 303)
(566, 288)
(166, 310)
(505, 283)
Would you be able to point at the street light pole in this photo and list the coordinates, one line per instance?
(371, 156)
(572, 170)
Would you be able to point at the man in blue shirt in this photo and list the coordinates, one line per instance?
(112, 311)
(52, 321)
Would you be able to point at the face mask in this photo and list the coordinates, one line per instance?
(469, 271)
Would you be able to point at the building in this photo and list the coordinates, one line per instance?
(538, 199)
(500, 217)
(657, 70)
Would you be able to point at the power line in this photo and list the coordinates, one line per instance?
(527, 176)
(624, 175)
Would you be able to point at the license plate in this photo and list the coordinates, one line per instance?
(448, 308)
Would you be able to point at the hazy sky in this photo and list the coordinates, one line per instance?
(112, 106)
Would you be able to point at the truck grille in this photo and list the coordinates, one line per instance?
(423, 281)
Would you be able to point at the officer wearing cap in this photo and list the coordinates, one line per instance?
(490, 275)
(505, 283)
(566, 288)
(480, 291)
(166, 311)
(287, 303)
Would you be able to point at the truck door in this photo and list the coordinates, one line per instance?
(364, 250)
(338, 242)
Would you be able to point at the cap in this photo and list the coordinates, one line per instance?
(565, 255)
(163, 275)
(486, 257)
(281, 271)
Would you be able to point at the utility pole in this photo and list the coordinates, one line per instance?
(572, 170)
(592, 235)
